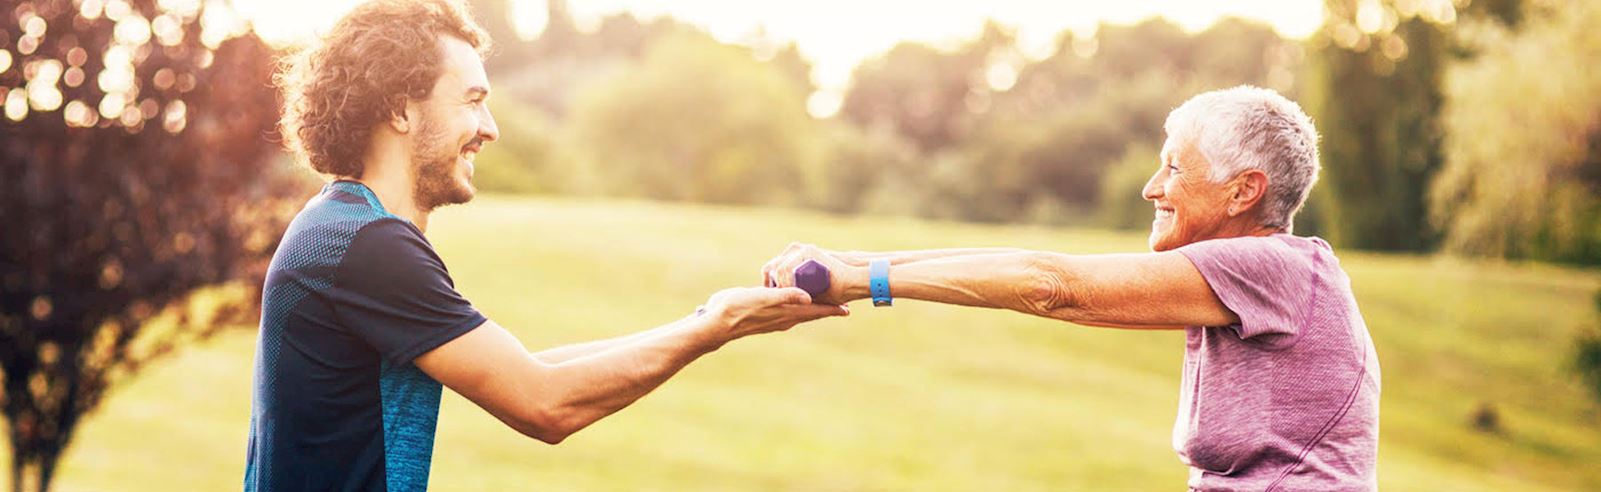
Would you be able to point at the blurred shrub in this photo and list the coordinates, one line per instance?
(697, 120)
(1587, 361)
(522, 161)
(1587, 355)
(860, 162)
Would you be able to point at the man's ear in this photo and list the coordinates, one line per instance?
(1247, 190)
(401, 121)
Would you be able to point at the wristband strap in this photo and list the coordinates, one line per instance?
(878, 282)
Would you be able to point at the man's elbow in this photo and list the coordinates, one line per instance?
(548, 425)
(1048, 290)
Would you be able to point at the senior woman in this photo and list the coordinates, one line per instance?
(1280, 384)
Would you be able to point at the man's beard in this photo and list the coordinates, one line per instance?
(434, 167)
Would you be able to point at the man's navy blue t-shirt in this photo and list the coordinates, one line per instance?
(353, 294)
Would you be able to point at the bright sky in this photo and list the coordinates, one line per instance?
(837, 35)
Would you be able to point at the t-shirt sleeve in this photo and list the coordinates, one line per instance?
(392, 291)
(1265, 281)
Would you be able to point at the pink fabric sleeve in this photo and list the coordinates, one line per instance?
(1267, 281)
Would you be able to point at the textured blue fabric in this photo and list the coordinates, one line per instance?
(353, 294)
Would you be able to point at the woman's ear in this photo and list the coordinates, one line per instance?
(1248, 189)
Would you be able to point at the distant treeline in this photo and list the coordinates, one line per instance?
(1435, 132)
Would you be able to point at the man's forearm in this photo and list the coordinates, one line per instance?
(557, 355)
(589, 387)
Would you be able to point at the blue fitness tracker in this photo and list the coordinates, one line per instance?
(878, 282)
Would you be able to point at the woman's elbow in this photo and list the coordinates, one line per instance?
(1048, 290)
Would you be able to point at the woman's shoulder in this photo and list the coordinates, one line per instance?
(1300, 260)
(1287, 247)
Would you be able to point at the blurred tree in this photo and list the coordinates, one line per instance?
(922, 92)
(1375, 107)
(858, 163)
(795, 67)
(1376, 97)
(698, 120)
(134, 176)
(1123, 204)
(1042, 149)
(1523, 174)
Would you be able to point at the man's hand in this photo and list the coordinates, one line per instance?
(849, 276)
(744, 311)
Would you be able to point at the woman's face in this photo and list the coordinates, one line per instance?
(1190, 207)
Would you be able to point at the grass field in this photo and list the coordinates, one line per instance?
(917, 397)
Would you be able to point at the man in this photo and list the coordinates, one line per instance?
(361, 322)
(1281, 383)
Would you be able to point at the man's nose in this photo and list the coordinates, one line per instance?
(487, 130)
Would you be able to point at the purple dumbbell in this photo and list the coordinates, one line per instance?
(812, 277)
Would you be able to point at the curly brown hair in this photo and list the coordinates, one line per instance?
(362, 72)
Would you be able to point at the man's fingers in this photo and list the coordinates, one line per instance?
(786, 295)
(827, 310)
(813, 312)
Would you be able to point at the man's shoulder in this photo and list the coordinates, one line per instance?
(329, 224)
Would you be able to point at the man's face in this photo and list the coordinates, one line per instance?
(453, 124)
(1189, 206)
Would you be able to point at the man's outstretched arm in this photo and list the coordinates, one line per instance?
(550, 401)
(564, 353)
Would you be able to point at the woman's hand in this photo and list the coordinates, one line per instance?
(848, 278)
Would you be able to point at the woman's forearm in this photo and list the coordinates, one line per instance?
(1004, 279)
(902, 257)
(1143, 291)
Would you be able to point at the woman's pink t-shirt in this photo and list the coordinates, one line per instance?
(1288, 398)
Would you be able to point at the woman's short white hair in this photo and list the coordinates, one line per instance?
(1247, 128)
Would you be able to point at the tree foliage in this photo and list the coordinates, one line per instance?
(1376, 95)
(134, 172)
(1039, 149)
(1523, 147)
(1375, 98)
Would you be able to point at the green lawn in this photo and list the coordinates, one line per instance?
(918, 397)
